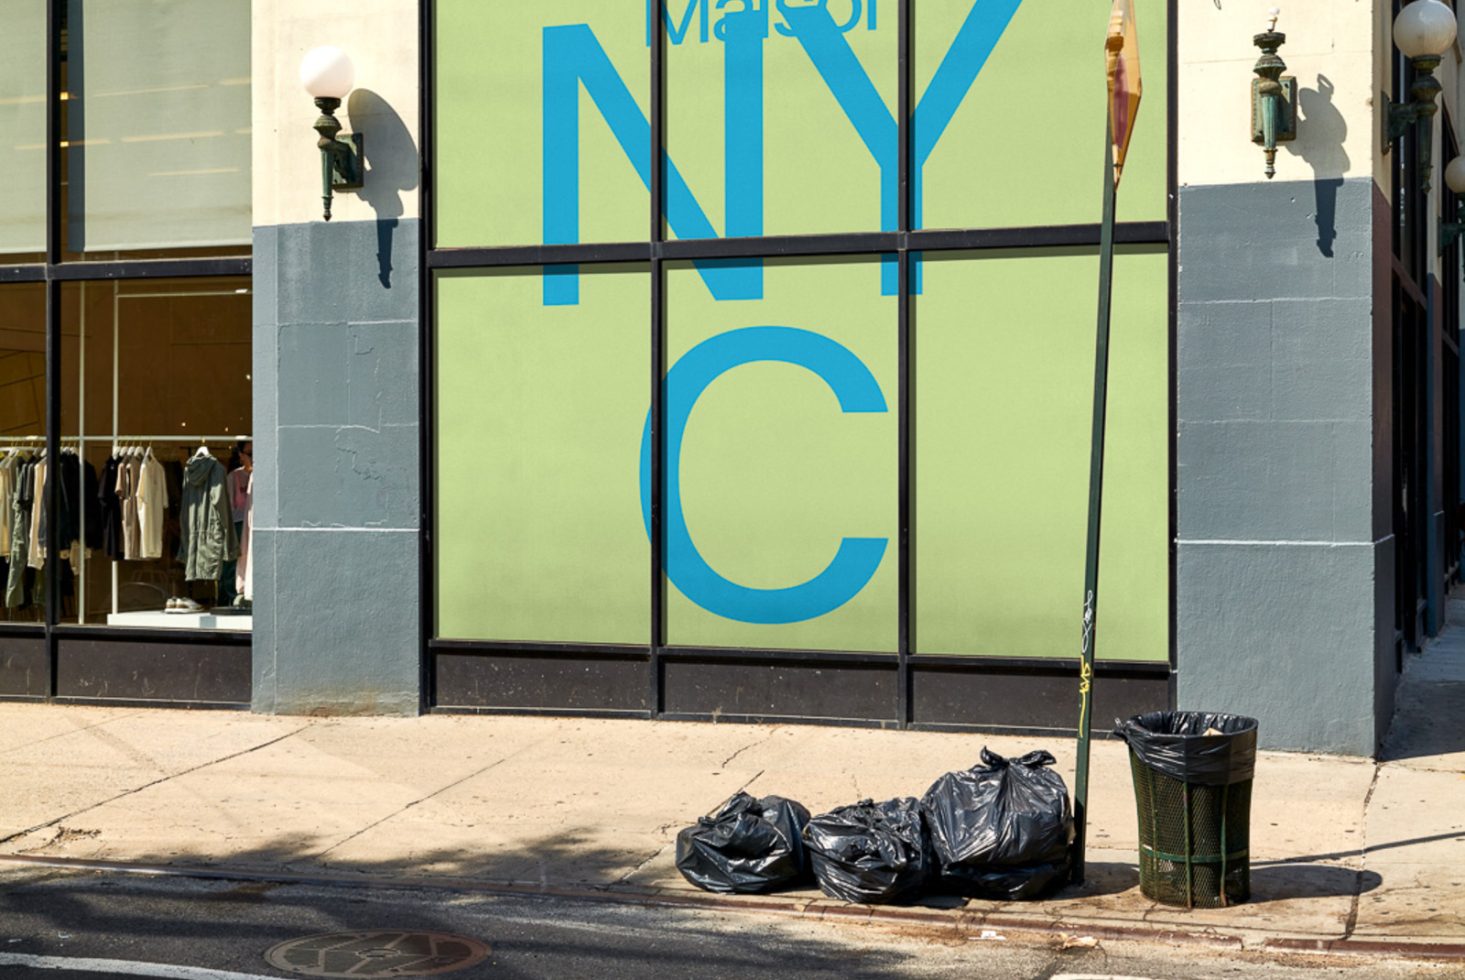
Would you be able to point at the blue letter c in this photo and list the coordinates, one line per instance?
(857, 559)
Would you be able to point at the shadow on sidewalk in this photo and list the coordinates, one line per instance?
(1283, 881)
(250, 917)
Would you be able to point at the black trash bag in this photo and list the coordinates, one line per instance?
(1001, 830)
(751, 845)
(871, 852)
(1175, 744)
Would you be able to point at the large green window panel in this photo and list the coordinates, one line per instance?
(158, 124)
(1025, 146)
(542, 122)
(787, 453)
(757, 120)
(22, 126)
(539, 420)
(1004, 353)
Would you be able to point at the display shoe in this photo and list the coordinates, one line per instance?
(172, 605)
(186, 606)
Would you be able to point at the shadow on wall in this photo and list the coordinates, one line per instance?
(1321, 131)
(391, 169)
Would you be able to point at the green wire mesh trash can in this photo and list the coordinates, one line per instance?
(1192, 792)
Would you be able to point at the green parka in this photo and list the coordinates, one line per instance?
(206, 524)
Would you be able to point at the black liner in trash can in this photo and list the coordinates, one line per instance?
(871, 852)
(750, 845)
(1002, 830)
(1192, 793)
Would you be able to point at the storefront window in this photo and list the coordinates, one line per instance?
(22, 129)
(22, 441)
(1003, 401)
(781, 118)
(157, 121)
(542, 102)
(156, 463)
(991, 151)
(540, 414)
(782, 510)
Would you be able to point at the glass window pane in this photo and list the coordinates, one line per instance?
(22, 434)
(781, 118)
(1003, 402)
(157, 465)
(540, 415)
(158, 123)
(22, 126)
(542, 122)
(997, 145)
(782, 463)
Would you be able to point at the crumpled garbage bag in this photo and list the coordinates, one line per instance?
(870, 852)
(1001, 830)
(1204, 748)
(750, 845)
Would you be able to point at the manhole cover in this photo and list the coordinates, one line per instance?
(382, 953)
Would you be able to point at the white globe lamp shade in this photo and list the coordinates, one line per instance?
(1455, 176)
(327, 73)
(1424, 29)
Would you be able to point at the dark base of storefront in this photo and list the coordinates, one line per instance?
(205, 670)
(92, 666)
(869, 690)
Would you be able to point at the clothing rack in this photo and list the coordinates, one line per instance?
(13, 442)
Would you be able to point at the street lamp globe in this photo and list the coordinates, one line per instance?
(1455, 176)
(327, 73)
(1424, 29)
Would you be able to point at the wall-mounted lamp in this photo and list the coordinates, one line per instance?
(1273, 95)
(327, 74)
(1423, 31)
(1455, 181)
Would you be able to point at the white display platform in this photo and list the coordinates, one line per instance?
(181, 621)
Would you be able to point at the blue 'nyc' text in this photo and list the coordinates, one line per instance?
(574, 57)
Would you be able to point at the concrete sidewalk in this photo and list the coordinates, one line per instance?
(1346, 853)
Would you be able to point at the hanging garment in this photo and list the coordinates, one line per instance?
(7, 500)
(37, 555)
(80, 513)
(128, 477)
(17, 593)
(207, 525)
(152, 504)
(109, 510)
(244, 580)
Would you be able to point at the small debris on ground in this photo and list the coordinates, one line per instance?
(1080, 942)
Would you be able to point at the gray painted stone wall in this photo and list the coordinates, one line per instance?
(337, 495)
(1282, 594)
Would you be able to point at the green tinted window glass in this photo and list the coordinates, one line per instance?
(22, 126)
(158, 124)
(1003, 400)
(542, 122)
(1025, 145)
(781, 117)
(539, 421)
(782, 460)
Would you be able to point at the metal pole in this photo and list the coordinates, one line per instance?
(1096, 500)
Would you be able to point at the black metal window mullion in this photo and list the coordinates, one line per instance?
(655, 699)
(52, 610)
(905, 370)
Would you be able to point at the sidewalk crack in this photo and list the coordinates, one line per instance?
(1351, 923)
(751, 745)
(653, 856)
(161, 779)
(437, 792)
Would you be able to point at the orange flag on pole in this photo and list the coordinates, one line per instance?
(1125, 87)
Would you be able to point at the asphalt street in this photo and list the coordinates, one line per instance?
(56, 924)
